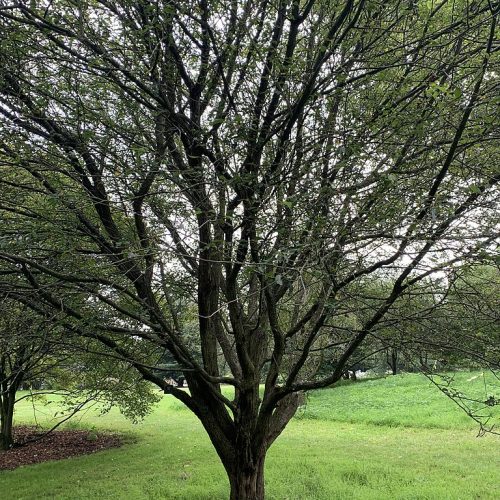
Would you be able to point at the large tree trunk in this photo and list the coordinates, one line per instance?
(246, 467)
(246, 478)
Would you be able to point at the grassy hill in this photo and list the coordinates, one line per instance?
(407, 400)
(391, 438)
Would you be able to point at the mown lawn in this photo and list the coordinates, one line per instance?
(393, 438)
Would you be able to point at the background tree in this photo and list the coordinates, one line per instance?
(37, 355)
(260, 160)
(25, 359)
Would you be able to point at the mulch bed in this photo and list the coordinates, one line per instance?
(55, 446)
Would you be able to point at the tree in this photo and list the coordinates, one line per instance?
(33, 355)
(23, 358)
(448, 321)
(409, 331)
(469, 314)
(258, 160)
(36, 353)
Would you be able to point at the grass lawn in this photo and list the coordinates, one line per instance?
(393, 438)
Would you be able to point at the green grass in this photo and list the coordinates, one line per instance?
(407, 400)
(391, 438)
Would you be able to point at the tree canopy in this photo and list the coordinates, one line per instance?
(251, 164)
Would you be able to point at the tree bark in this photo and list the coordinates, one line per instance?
(392, 360)
(246, 478)
(245, 470)
(6, 418)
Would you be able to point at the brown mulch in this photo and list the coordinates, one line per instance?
(55, 446)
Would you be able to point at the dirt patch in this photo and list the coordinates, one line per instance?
(55, 446)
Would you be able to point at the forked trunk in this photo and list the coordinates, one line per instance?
(247, 480)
